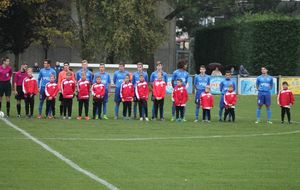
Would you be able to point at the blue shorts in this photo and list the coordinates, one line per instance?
(105, 98)
(264, 98)
(42, 93)
(118, 98)
(222, 105)
(197, 96)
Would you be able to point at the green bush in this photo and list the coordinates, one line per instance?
(252, 40)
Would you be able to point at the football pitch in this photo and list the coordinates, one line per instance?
(154, 155)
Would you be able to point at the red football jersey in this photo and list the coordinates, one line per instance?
(127, 92)
(30, 86)
(98, 89)
(206, 100)
(68, 88)
(180, 96)
(142, 90)
(51, 89)
(285, 98)
(83, 88)
(230, 99)
(159, 89)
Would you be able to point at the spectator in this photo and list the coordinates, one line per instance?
(216, 72)
(243, 72)
(233, 71)
(36, 68)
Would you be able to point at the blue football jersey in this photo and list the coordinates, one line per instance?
(153, 76)
(225, 84)
(119, 77)
(44, 76)
(88, 73)
(136, 77)
(105, 78)
(201, 82)
(264, 83)
(180, 74)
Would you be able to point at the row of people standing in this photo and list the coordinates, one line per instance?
(264, 85)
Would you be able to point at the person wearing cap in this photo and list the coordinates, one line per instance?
(18, 81)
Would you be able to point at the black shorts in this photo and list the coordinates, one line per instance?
(20, 95)
(5, 88)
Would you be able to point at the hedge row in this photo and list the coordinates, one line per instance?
(252, 40)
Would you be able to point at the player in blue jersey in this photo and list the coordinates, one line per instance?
(84, 69)
(223, 88)
(182, 74)
(105, 79)
(264, 85)
(200, 83)
(135, 79)
(153, 77)
(43, 79)
(118, 79)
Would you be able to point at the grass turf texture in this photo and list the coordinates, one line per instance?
(258, 162)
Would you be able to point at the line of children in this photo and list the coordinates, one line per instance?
(141, 91)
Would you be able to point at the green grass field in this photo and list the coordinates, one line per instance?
(135, 155)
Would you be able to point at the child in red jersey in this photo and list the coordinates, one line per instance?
(159, 93)
(83, 88)
(98, 92)
(230, 99)
(127, 94)
(285, 100)
(30, 89)
(180, 97)
(206, 103)
(142, 93)
(51, 90)
(68, 87)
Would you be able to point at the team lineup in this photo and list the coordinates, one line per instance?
(132, 90)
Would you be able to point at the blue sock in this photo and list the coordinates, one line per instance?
(197, 111)
(269, 113)
(41, 106)
(173, 110)
(104, 108)
(117, 109)
(220, 113)
(258, 111)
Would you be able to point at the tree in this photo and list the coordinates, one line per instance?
(56, 23)
(18, 28)
(23, 22)
(119, 29)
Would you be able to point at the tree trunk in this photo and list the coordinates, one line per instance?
(110, 58)
(46, 53)
(17, 61)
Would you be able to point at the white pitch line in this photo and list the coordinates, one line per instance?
(163, 138)
(61, 157)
